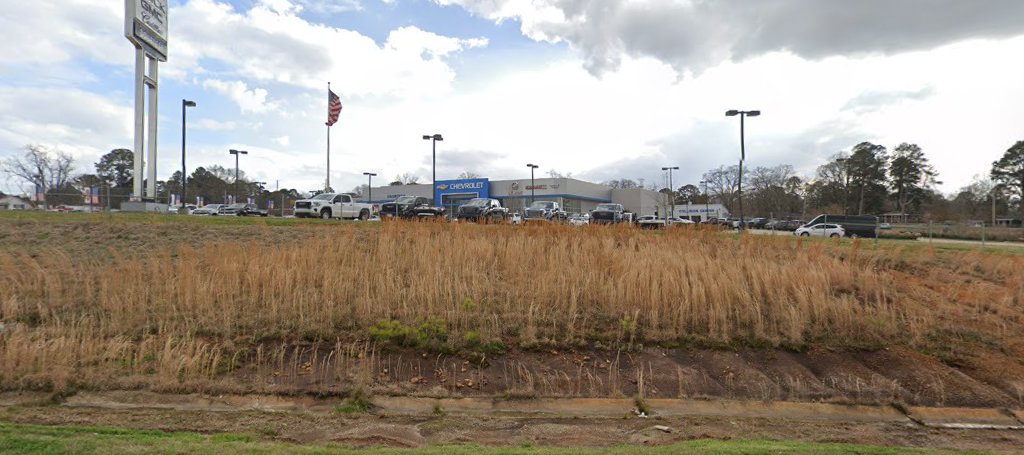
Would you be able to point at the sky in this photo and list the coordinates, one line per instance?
(602, 89)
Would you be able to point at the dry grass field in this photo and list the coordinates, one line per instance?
(243, 306)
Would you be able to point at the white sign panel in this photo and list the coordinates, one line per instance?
(145, 25)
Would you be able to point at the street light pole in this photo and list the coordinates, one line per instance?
(533, 187)
(369, 187)
(184, 179)
(707, 211)
(743, 154)
(236, 153)
(672, 192)
(433, 158)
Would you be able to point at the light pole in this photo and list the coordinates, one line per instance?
(369, 187)
(184, 179)
(672, 192)
(743, 154)
(236, 153)
(433, 155)
(846, 187)
(533, 188)
(707, 211)
(259, 189)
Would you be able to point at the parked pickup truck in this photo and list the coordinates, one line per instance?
(482, 210)
(544, 211)
(332, 205)
(608, 214)
(403, 206)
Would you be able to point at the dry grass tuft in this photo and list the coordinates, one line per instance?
(187, 315)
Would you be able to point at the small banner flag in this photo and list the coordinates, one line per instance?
(333, 107)
(94, 197)
(39, 195)
(270, 204)
(199, 201)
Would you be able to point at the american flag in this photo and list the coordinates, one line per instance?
(333, 107)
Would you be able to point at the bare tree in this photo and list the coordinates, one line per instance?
(624, 184)
(723, 184)
(225, 174)
(40, 166)
(558, 175)
(407, 179)
(469, 175)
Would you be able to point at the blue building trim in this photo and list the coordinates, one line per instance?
(479, 187)
(540, 197)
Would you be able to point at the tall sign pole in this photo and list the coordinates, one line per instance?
(145, 26)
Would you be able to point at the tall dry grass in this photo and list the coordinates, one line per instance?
(189, 314)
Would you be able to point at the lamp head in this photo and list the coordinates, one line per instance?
(731, 113)
(753, 113)
(188, 103)
(427, 137)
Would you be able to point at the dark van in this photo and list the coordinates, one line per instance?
(854, 225)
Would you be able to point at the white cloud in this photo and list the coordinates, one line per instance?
(248, 100)
(269, 65)
(54, 31)
(272, 44)
(694, 35)
(212, 125)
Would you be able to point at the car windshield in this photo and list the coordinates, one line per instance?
(236, 206)
(323, 196)
(479, 202)
(405, 200)
(608, 207)
(542, 205)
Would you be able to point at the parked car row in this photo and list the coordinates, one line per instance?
(239, 209)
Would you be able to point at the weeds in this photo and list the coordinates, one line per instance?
(181, 315)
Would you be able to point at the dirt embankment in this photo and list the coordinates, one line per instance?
(885, 376)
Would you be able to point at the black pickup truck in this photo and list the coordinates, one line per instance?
(403, 206)
(482, 209)
(609, 214)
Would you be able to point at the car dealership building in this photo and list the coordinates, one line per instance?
(575, 196)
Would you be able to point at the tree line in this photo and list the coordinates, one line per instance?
(867, 179)
(53, 173)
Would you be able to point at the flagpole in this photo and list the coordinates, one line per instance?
(328, 141)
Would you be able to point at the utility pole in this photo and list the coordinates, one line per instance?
(184, 176)
(533, 187)
(433, 160)
(743, 154)
(236, 153)
(672, 193)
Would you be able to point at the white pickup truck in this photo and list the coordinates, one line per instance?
(332, 205)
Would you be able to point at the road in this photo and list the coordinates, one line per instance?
(976, 243)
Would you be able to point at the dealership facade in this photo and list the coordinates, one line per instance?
(575, 196)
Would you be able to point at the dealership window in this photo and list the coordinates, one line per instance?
(571, 205)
